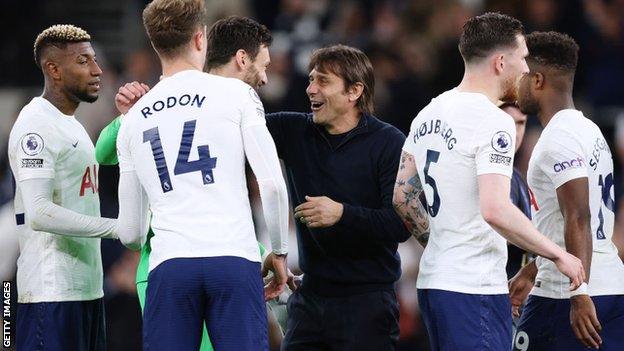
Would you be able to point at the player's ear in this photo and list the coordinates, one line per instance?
(355, 91)
(538, 80)
(51, 69)
(242, 59)
(199, 39)
(499, 63)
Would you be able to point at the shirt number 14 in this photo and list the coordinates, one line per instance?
(205, 164)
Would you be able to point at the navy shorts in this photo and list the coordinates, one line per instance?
(457, 321)
(545, 325)
(224, 292)
(62, 326)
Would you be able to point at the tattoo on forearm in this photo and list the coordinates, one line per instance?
(408, 190)
(423, 238)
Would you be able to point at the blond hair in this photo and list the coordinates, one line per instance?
(170, 24)
(58, 35)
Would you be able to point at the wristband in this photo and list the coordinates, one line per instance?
(581, 290)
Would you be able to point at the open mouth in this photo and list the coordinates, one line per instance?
(315, 105)
(95, 85)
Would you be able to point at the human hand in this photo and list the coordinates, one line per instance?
(572, 267)
(277, 265)
(319, 212)
(584, 321)
(128, 95)
(519, 288)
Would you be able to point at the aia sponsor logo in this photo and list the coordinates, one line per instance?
(89, 180)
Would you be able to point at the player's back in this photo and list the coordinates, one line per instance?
(455, 138)
(572, 146)
(185, 142)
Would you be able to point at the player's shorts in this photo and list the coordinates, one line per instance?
(457, 321)
(61, 326)
(141, 286)
(545, 325)
(224, 292)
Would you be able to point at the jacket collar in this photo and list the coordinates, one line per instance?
(361, 128)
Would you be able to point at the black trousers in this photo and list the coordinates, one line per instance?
(362, 322)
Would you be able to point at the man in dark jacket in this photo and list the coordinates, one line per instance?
(516, 257)
(341, 164)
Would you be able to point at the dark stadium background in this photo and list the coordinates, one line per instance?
(413, 46)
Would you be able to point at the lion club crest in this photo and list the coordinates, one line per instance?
(501, 142)
(32, 144)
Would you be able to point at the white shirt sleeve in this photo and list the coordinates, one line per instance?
(563, 158)
(262, 156)
(133, 211)
(409, 144)
(44, 215)
(495, 141)
(123, 149)
(36, 154)
(133, 203)
(252, 111)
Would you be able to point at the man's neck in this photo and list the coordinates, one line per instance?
(473, 82)
(226, 70)
(345, 123)
(555, 103)
(59, 100)
(171, 67)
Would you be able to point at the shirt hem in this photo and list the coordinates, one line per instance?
(58, 298)
(494, 290)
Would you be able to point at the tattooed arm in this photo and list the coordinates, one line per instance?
(408, 199)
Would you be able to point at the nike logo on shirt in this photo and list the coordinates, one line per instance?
(74, 144)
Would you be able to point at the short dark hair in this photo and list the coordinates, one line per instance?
(230, 34)
(553, 49)
(58, 36)
(482, 34)
(170, 24)
(350, 64)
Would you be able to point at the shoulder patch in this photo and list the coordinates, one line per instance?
(32, 144)
(501, 142)
(254, 96)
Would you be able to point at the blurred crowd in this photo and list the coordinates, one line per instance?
(413, 48)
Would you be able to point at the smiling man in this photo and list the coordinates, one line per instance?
(57, 208)
(341, 165)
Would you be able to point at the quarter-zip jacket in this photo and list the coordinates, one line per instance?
(359, 253)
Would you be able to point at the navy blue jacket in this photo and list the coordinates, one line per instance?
(520, 198)
(359, 253)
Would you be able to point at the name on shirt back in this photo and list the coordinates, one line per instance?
(436, 127)
(185, 100)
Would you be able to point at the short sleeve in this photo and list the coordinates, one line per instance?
(36, 153)
(252, 110)
(408, 145)
(495, 141)
(562, 158)
(123, 148)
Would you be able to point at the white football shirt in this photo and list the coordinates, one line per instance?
(45, 143)
(571, 146)
(184, 141)
(454, 139)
